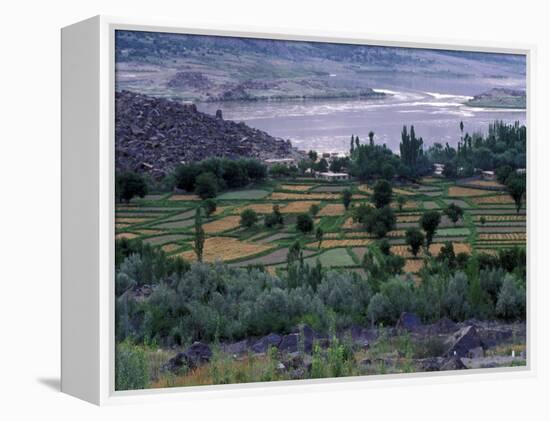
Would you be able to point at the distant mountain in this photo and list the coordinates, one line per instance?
(212, 68)
(500, 98)
(154, 135)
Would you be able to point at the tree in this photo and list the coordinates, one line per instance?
(274, 218)
(483, 220)
(304, 223)
(454, 212)
(447, 254)
(129, 185)
(185, 176)
(401, 200)
(511, 299)
(379, 221)
(382, 194)
(410, 150)
(516, 186)
(322, 165)
(503, 172)
(346, 198)
(429, 222)
(319, 236)
(314, 209)
(248, 218)
(450, 170)
(199, 235)
(206, 185)
(312, 156)
(385, 247)
(209, 206)
(371, 138)
(294, 253)
(379, 309)
(414, 239)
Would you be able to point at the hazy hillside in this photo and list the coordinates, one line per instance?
(208, 68)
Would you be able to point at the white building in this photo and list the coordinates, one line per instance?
(439, 169)
(488, 175)
(332, 176)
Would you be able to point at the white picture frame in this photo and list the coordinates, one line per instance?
(88, 213)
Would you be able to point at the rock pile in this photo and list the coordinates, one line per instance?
(153, 135)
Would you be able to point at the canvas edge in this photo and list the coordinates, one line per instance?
(107, 394)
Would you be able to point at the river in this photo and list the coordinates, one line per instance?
(327, 125)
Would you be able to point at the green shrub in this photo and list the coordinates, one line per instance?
(131, 368)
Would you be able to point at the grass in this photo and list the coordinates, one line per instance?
(452, 232)
(243, 194)
(332, 258)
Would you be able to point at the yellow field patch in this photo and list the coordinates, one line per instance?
(333, 209)
(328, 244)
(357, 234)
(485, 183)
(148, 232)
(365, 189)
(220, 209)
(457, 191)
(225, 248)
(120, 226)
(457, 247)
(296, 187)
(490, 252)
(408, 218)
(184, 197)
(223, 224)
(501, 199)
(262, 208)
(404, 251)
(126, 235)
(413, 265)
(502, 236)
(349, 224)
(169, 247)
(299, 207)
(409, 204)
(131, 221)
(305, 196)
(501, 218)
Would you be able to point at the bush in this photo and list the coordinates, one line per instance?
(206, 185)
(379, 221)
(304, 223)
(382, 194)
(131, 368)
(456, 297)
(379, 309)
(415, 239)
(130, 185)
(511, 299)
(209, 206)
(248, 218)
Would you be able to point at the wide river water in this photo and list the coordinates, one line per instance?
(327, 125)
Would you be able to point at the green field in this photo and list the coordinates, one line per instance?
(168, 220)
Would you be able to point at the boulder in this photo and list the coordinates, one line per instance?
(477, 352)
(291, 342)
(236, 348)
(443, 326)
(409, 322)
(263, 344)
(452, 363)
(463, 341)
(194, 356)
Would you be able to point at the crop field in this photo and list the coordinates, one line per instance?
(501, 199)
(485, 183)
(305, 196)
(299, 206)
(223, 224)
(332, 209)
(160, 222)
(296, 187)
(413, 265)
(457, 191)
(225, 249)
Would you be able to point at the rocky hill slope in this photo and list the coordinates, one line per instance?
(500, 98)
(153, 135)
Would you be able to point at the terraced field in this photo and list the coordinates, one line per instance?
(167, 221)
